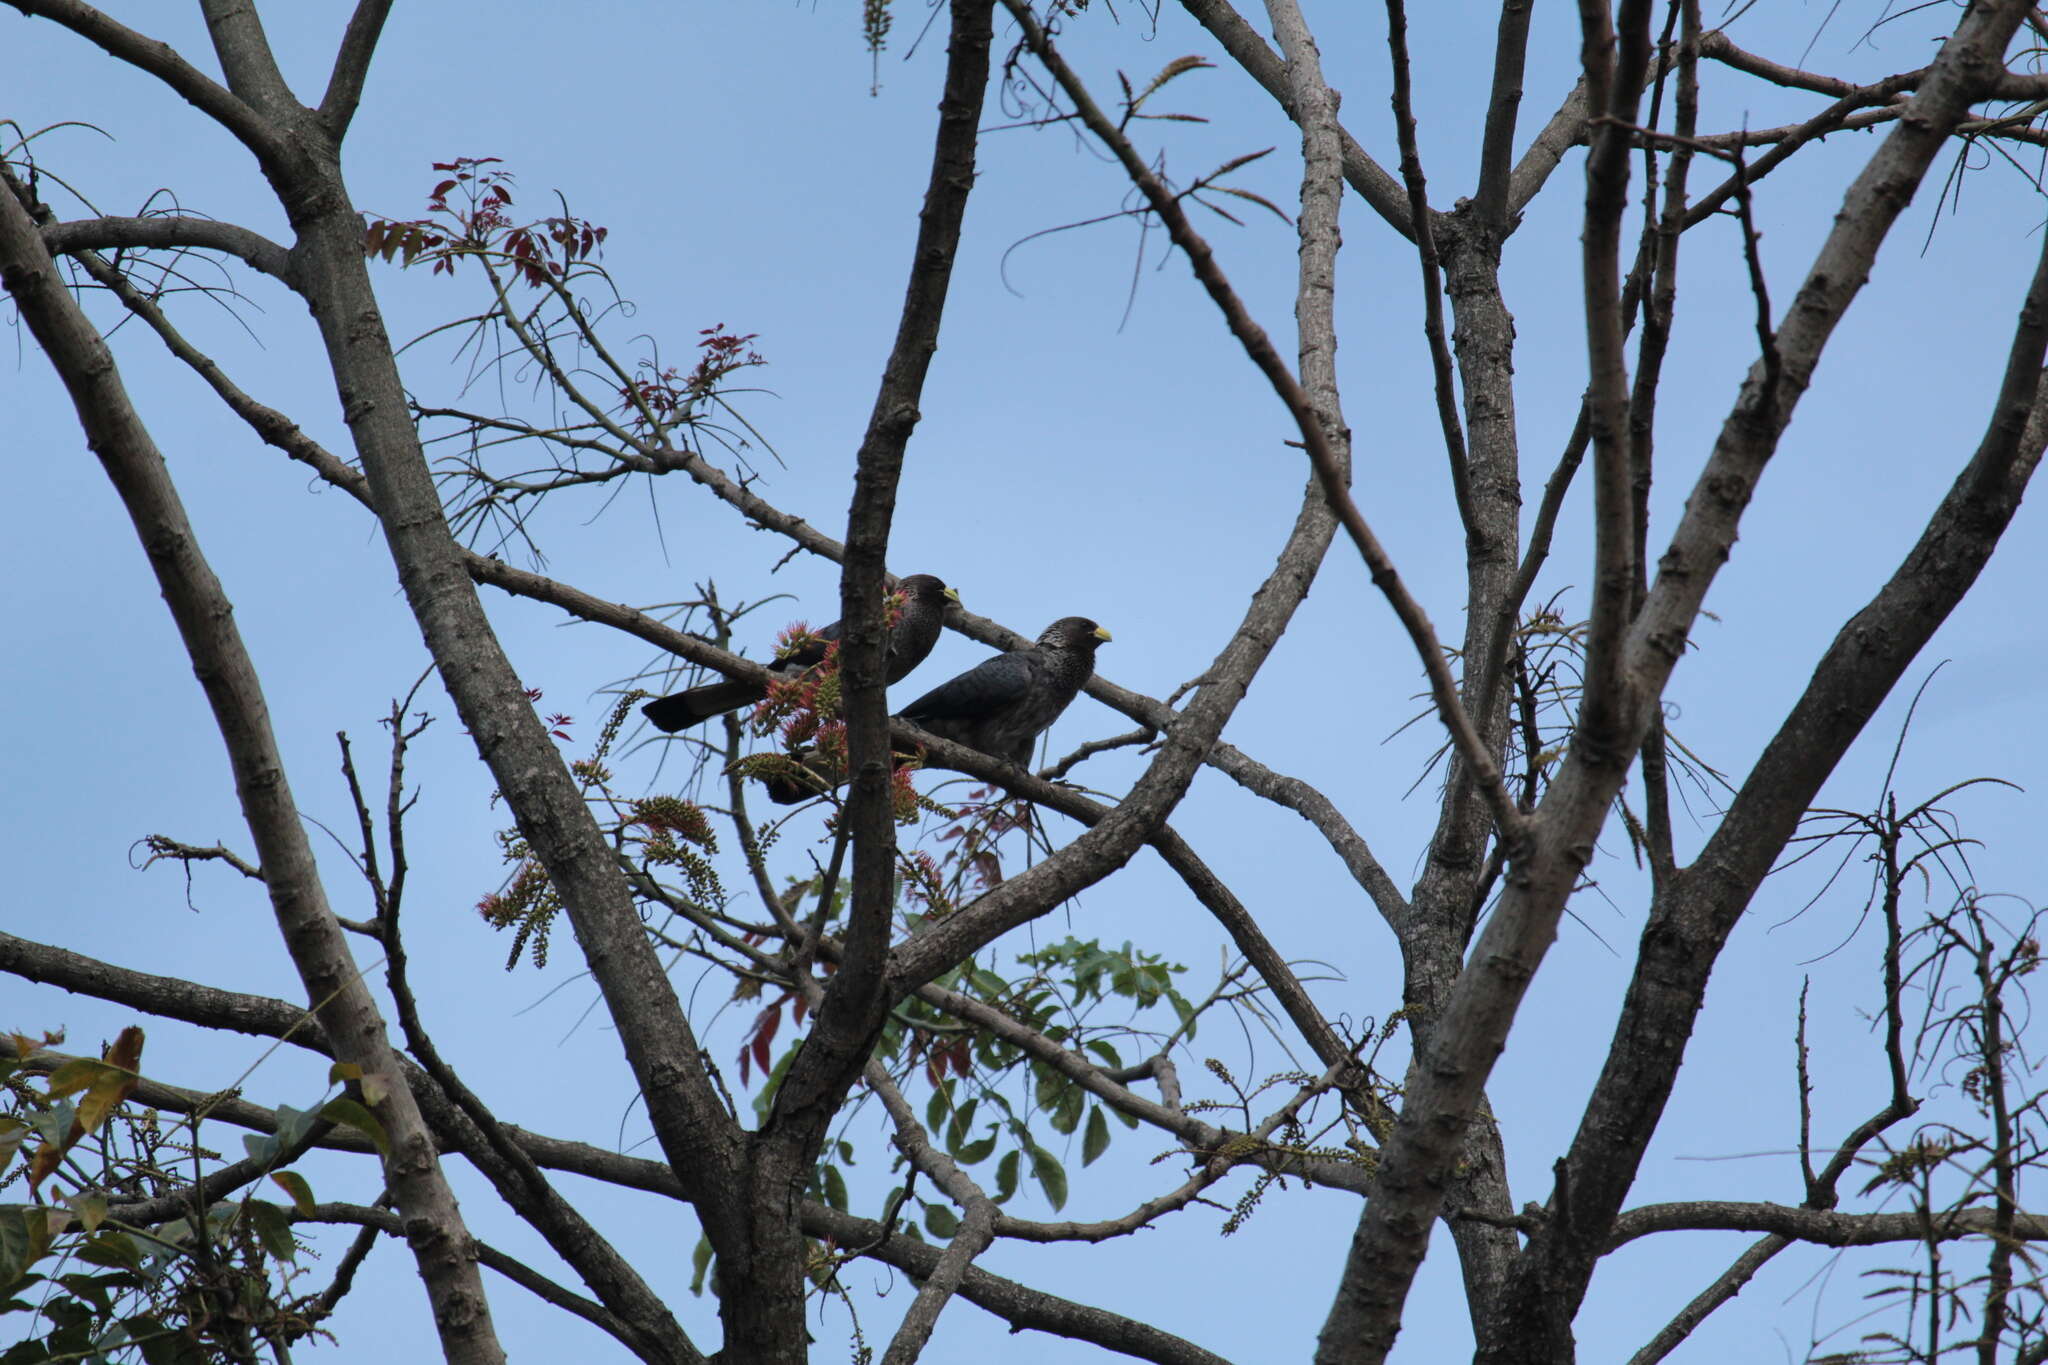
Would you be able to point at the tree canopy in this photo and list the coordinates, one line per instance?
(1523, 882)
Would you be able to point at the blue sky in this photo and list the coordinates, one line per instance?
(1071, 459)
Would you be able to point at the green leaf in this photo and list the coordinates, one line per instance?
(1096, 1141)
(110, 1247)
(91, 1288)
(262, 1147)
(293, 1124)
(75, 1075)
(1050, 1084)
(835, 1188)
(1066, 1115)
(1051, 1177)
(350, 1114)
(91, 1209)
(1006, 1176)
(294, 1184)
(53, 1124)
(109, 1089)
(700, 1262)
(24, 1240)
(958, 1128)
(974, 1153)
(273, 1229)
(160, 1345)
(25, 1353)
(1103, 1050)
(940, 1221)
(343, 1071)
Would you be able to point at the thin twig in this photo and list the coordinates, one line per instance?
(1328, 467)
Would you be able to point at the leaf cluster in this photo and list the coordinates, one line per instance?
(83, 1277)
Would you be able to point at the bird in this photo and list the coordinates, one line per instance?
(1001, 705)
(910, 640)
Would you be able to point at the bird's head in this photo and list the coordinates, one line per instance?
(924, 587)
(1074, 632)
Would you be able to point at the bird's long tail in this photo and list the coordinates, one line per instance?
(681, 710)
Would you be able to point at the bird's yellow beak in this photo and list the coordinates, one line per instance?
(1102, 633)
(953, 596)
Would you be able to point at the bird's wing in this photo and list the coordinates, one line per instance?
(990, 684)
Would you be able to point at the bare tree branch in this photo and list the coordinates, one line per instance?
(1823, 1227)
(642, 1320)
(204, 234)
(521, 1274)
(1691, 922)
(348, 1014)
(160, 60)
(1615, 60)
(1328, 464)
(1024, 1309)
(352, 66)
(1425, 233)
(973, 1236)
(1503, 105)
(1725, 1287)
(854, 1004)
(1448, 1072)
(688, 1114)
(243, 50)
(963, 933)
(1564, 130)
(1250, 51)
(1297, 567)
(1717, 45)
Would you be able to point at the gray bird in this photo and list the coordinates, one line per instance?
(916, 631)
(1000, 706)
